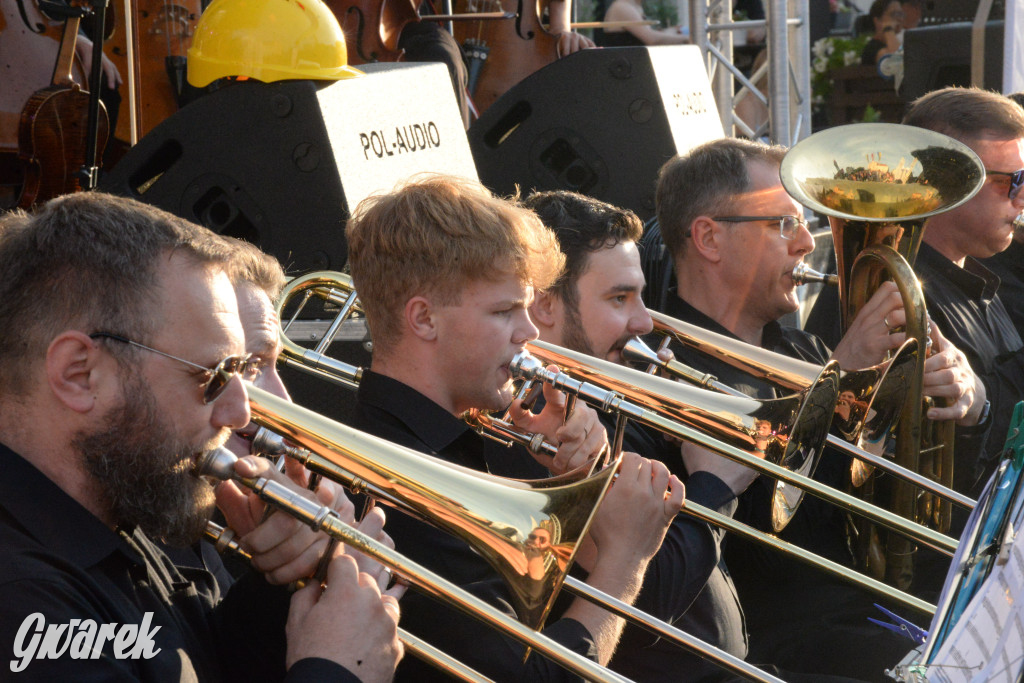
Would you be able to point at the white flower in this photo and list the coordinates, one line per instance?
(820, 65)
(850, 57)
(818, 100)
(821, 47)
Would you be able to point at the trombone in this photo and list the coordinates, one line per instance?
(219, 464)
(882, 388)
(225, 543)
(492, 514)
(662, 404)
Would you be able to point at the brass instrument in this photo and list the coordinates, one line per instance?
(220, 464)
(786, 372)
(492, 514)
(878, 184)
(224, 541)
(665, 405)
(887, 380)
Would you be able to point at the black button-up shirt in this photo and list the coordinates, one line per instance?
(60, 561)
(1009, 266)
(799, 617)
(967, 308)
(394, 411)
(687, 583)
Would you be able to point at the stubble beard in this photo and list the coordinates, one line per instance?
(143, 470)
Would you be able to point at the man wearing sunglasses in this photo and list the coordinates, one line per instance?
(963, 296)
(735, 236)
(120, 366)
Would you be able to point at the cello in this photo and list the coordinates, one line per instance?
(512, 50)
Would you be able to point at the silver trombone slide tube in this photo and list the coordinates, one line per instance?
(528, 367)
(223, 539)
(510, 434)
(220, 464)
(269, 443)
(636, 349)
(658, 627)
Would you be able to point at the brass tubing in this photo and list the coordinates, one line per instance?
(222, 538)
(529, 367)
(636, 349)
(220, 464)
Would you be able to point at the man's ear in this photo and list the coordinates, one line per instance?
(542, 310)
(419, 318)
(72, 371)
(706, 238)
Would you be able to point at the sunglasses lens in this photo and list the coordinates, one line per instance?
(1016, 180)
(222, 375)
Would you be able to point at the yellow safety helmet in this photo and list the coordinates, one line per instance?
(269, 40)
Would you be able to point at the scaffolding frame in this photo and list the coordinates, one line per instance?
(788, 66)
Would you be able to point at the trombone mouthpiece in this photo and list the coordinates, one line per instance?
(218, 464)
(526, 366)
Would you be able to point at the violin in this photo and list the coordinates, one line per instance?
(53, 130)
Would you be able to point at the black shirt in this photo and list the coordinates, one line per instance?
(687, 583)
(394, 411)
(1009, 266)
(799, 617)
(965, 305)
(58, 560)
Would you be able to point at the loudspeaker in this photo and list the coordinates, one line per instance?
(283, 164)
(598, 122)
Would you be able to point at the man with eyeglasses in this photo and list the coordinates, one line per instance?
(963, 296)
(120, 360)
(735, 236)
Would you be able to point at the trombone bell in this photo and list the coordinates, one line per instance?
(528, 533)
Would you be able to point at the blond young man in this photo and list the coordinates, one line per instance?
(445, 273)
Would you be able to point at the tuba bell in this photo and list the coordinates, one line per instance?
(878, 184)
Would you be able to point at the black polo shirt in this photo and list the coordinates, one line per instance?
(59, 561)
(394, 411)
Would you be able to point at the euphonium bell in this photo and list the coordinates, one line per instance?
(879, 183)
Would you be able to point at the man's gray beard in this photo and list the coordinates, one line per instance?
(136, 460)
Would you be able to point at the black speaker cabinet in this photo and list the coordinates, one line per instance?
(282, 164)
(598, 122)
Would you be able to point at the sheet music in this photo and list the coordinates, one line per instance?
(987, 643)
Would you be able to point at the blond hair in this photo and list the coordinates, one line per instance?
(432, 236)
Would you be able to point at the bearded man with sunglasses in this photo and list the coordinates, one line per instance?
(735, 236)
(121, 351)
(962, 294)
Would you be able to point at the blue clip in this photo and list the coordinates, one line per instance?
(900, 625)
